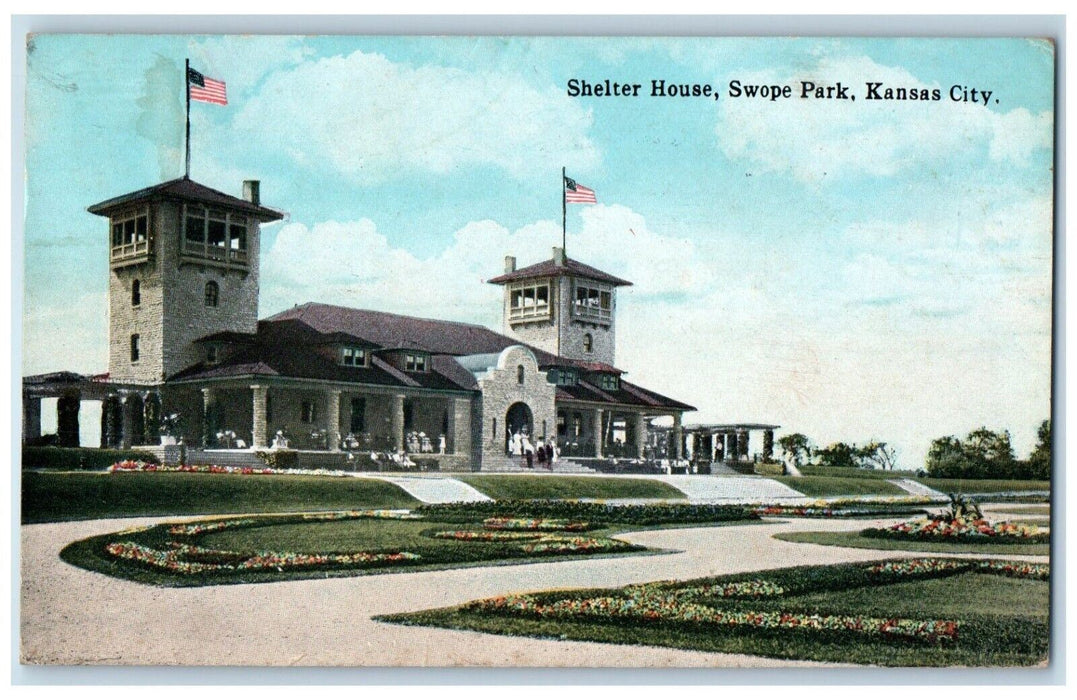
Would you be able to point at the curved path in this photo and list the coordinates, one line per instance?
(72, 616)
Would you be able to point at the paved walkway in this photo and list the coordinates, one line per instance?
(436, 489)
(742, 489)
(916, 488)
(72, 616)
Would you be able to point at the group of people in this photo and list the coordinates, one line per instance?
(545, 451)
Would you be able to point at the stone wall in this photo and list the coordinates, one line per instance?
(501, 389)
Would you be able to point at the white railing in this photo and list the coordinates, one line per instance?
(529, 312)
(130, 250)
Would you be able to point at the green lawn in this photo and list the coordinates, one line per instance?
(511, 486)
(841, 486)
(853, 539)
(1025, 510)
(851, 472)
(52, 496)
(1000, 621)
(983, 485)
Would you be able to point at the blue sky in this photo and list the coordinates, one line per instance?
(850, 270)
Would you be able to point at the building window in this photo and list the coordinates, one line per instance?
(414, 362)
(214, 235)
(529, 301)
(212, 354)
(130, 235)
(609, 382)
(213, 293)
(593, 302)
(353, 357)
(588, 342)
(409, 415)
(563, 377)
(309, 412)
(134, 348)
(519, 374)
(136, 293)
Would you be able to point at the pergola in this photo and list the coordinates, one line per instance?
(726, 442)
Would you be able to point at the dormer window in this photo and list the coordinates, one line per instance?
(609, 382)
(529, 300)
(563, 377)
(213, 354)
(353, 357)
(414, 362)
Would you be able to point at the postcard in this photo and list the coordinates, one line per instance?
(506, 351)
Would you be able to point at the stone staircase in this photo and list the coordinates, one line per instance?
(916, 488)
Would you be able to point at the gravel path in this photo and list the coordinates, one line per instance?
(72, 616)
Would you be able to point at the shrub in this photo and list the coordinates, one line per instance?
(279, 459)
(80, 458)
(651, 514)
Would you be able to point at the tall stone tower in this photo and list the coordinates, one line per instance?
(563, 307)
(183, 263)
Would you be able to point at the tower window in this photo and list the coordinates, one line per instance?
(529, 301)
(519, 374)
(213, 292)
(593, 302)
(215, 235)
(136, 293)
(134, 348)
(130, 234)
(588, 342)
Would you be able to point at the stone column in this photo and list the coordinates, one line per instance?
(599, 433)
(396, 421)
(641, 435)
(31, 417)
(332, 420)
(127, 422)
(742, 444)
(110, 409)
(67, 419)
(768, 445)
(259, 429)
(459, 435)
(678, 437)
(209, 405)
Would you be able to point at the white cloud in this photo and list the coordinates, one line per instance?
(823, 140)
(371, 118)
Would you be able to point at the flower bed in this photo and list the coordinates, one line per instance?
(963, 529)
(540, 524)
(130, 466)
(359, 514)
(554, 544)
(824, 511)
(202, 528)
(591, 511)
(484, 536)
(189, 559)
(755, 588)
(646, 608)
(931, 567)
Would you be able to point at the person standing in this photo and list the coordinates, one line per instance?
(540, 455)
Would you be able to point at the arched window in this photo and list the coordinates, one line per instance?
(519, 374)
(212, 293)
(588, 342)
(136, 293)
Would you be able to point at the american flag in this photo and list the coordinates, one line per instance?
(203, 89)
(575, 192)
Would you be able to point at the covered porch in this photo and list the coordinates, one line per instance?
(729, 443)
(611, 432)
(325, 417)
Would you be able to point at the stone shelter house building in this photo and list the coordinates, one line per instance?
(185, 338)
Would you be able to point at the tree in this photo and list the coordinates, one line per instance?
(1039, 462)
(984, 454)
(945, 459)
(797, 447)
(838, 455)
(876, 455)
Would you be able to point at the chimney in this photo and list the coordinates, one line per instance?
(558, 256)
(250, 192)
(510, 264)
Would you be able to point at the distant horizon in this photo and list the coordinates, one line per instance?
(850, 270)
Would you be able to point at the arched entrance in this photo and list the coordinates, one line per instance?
(518, 421)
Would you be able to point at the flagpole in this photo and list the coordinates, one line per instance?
(187, 140)
(564, 213)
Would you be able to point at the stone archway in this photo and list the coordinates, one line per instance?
(518, 420)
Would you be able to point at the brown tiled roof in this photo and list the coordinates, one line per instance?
(288, 345)
(548, 268)
(185, 190)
